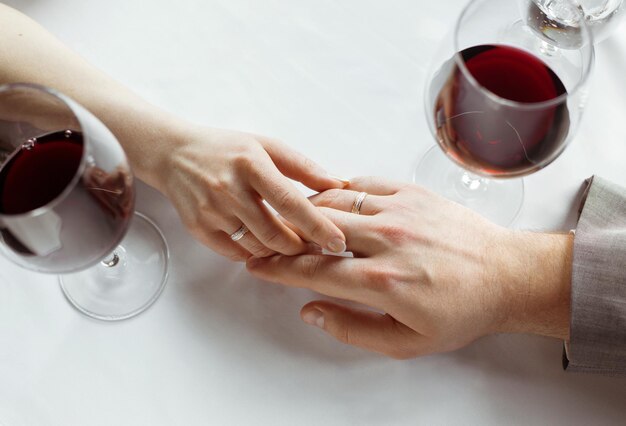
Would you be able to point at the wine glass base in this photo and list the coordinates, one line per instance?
(128, 282)
(499, 200)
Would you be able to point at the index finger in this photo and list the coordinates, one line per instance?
(296, 208)
(298, 167)
(333, 276)
(375, 185)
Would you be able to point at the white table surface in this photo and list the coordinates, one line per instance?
(341, 81)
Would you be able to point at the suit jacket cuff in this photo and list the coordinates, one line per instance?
(598, 311)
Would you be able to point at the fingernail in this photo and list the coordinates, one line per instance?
(336, 245)
(345, 182)
(314, 317)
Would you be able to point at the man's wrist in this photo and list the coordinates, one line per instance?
(537, 284)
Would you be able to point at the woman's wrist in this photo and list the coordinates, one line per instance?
(153, 147)
(536, 271)
(148, 134)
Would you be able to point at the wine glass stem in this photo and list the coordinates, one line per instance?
(472, 182)
(111, 261)
(547, 48)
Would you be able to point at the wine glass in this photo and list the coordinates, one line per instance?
(503, 100)
(66, 205)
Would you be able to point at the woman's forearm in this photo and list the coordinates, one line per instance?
(31, 54)
(216, 179)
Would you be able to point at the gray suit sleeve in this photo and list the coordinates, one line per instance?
(598, 314)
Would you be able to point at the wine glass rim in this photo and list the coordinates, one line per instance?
(81, 167)
(525, 105)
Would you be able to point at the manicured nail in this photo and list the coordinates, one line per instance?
(345, 182)
(336, 245)
(314, 317)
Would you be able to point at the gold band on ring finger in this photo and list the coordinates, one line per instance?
(358, 202)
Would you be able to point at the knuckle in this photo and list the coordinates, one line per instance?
(287, 204)
(396, 205)
(392, 232)
(219, 185)
(192, 223)
(245, 158)
(266, 253)
(275, 239)
(344, 335)
(196, 225)
(256, 248)
(210, 240)
(326, 198)
(273, 142)
(344, 332)
(316, 228)
(308, 163)
(378, 279)
(243, 163)
(310, 266)
(382, 280)
(415, 189)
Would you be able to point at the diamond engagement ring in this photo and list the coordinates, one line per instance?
(358, 202)
(239, 233)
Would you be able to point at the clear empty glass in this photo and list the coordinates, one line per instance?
(601, 16)
(113, 261)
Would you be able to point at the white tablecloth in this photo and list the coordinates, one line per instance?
(341, 81)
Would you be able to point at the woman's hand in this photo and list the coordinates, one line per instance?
(439, 275)
(218, 179)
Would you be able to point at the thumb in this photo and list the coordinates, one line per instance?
(366, 329)
(300, 168)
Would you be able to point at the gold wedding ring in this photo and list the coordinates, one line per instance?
(358, 202)
(239, 233)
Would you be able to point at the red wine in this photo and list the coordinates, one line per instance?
(80, 227)
(39, 171)
(480, 131)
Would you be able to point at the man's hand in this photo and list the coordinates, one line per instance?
(437, 275)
